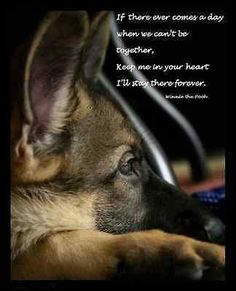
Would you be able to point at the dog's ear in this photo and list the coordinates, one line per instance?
(65, 49)
(96, 45)
(52, 61)
(54, 57)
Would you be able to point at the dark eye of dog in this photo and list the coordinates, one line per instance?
(129, 164)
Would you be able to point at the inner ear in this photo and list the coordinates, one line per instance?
(51, 64)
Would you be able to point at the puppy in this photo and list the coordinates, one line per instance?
(85, 202)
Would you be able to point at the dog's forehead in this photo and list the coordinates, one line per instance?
(100, 138)
(114, 125)
(104, 124)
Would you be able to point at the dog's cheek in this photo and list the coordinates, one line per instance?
(120, 209)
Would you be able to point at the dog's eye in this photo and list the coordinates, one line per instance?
(129, 164)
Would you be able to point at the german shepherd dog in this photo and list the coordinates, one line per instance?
(85, 204)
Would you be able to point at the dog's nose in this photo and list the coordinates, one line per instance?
(215, 230)
(201, 225)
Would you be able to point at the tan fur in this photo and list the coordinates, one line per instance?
(60, 110)
(96, 255)
(36, 170)
(34, 218)
(85, 105)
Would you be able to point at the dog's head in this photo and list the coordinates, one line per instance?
(74, 139)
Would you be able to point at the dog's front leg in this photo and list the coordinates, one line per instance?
(78, 255)
(98, 255)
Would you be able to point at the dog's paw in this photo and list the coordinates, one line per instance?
(155, 254)
(197, 260)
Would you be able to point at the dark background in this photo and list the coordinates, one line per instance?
(206, 44)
